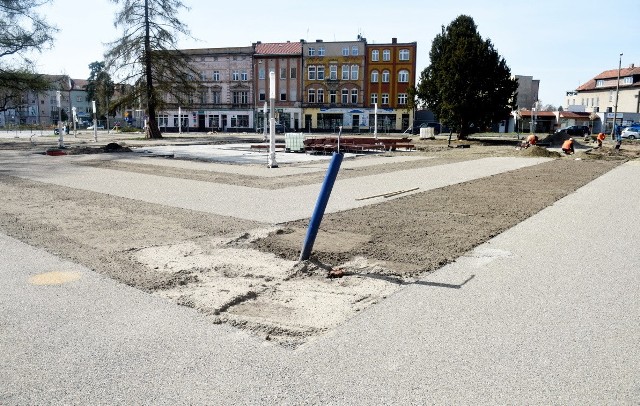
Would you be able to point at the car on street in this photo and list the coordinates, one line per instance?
(100, 127)
(577, 130)
(632, 133)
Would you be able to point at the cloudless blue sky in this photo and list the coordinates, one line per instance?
(561, 43)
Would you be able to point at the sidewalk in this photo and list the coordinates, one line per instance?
(502, 325)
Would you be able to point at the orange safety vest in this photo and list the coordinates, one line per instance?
(567, 144)
(601, 136)
(532, 139)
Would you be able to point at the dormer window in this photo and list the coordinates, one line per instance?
(599, 83)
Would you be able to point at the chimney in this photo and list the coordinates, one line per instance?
(631, 66)
(394, 40)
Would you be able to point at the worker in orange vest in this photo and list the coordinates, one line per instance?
(600, 139)
(567, 146)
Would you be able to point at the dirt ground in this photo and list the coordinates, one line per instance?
(246, 273)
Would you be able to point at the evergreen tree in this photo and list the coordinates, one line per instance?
(146, 58)
(467, 84)
(100, 88)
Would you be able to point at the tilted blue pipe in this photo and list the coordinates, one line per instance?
(321, 205)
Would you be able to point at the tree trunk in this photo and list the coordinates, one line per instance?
(152, 130)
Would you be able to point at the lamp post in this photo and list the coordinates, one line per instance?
(272, 121)
(60, 132)
(615, 106)
(95, 121)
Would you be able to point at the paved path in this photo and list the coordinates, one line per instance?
(502, 325)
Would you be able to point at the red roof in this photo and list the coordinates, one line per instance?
(527, 113)
(612, 75)
(279, 48)
(574, 114)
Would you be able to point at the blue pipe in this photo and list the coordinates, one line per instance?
(321, 205)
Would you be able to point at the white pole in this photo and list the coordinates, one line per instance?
(60, 132)
(74, 118)
(264, 124)
(95, 122)
(272, 121)
(180, 120)
(375, 117)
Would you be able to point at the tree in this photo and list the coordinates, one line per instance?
(146, 57)
(100, 88)
(467, 84)
(22, 31)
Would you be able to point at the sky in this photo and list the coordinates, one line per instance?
(563, 43)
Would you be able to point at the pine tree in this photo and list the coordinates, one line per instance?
(468, 85)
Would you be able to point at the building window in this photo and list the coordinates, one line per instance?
(610, 96)
(320, 72)
(333, 96)
(402, 99)
(354, 50)
(294, 73)
(375, 55)
(79, 99)
(244, 76)
(354, 72)
(385, 76)
(354, 96)
(261, 73)
(320, 95)
(204, 96)
(345, 96)
(404, 55)
(386, 55)
(627, 80)
(333, 72)
(311, 51)
(597, 101)
(216, 97)
(235, 75)
(403, 76)
(203, 76)
(283, 73)
(312, 96)
(163, 120)
(374, 98)
(345, 51)
(216, 76)
(374, 76)
(345, 72)
(283, 97)
(599, 83)
(385, 98)
(320, 51)
(262, 96)
(312, 72)
(241, 97)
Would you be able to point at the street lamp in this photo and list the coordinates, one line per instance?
(615, 106)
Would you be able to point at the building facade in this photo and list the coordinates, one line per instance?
(390, 71)
(285, 60)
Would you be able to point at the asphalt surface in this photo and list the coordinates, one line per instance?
(508, 323)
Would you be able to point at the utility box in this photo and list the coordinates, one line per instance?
(294, 142)
(427, 133)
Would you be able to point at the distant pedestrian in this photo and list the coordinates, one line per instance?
(618, 142)
(567, 147)
(601, 137)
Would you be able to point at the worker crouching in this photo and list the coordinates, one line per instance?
(567, 147)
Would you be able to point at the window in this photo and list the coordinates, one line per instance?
(241, 97)
(283, 97)
(345, 51)
(354, 50)
(320, 72)
(163, 120)
(261, 74)
(311, 51)
(216, 97)
(312, 96)
(244, 76)
(374, 76)
(294, 73)
(283, 73)
(385, 76)
(235, 75)
(79, 98)
(402, 99)
(610, 95)
(333, 72)
(320, 95)
(599, 83)
(204, 96)
(203, 76)
(216, 76)
(597, 101)
(404, 55)
(345, 72)
(374, 98)
(262, 96)
(354, 96)
(403, 76)
(627, 80)
(385, 98)
(354, 72)
(386, 55)
(345, 96)
(312, 72)
(375, 55)
(333, 96)
(320, 51)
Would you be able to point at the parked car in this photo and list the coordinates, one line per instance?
(577, 130)
(631, 132)
(279, 129)
(100, 127)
